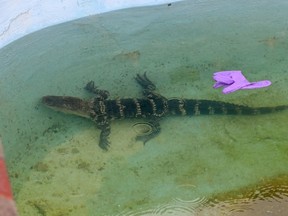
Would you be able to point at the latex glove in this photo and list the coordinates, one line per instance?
(235, 80)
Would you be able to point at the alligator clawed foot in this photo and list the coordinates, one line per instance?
(104, 144)
(90, 87)
(146, 84)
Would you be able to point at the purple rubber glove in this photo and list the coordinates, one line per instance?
(234, 80)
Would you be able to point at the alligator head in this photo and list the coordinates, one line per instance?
(67, 104)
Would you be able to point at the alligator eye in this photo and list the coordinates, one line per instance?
(46, 100)
(52, 101)
(143, 129)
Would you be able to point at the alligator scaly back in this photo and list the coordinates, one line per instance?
(152, 106)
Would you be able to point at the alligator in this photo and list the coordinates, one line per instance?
(152, 106)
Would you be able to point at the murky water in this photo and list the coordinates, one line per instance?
(207, 165)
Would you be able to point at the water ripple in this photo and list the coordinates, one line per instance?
(177, 207)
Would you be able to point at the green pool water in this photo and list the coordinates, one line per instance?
(205, 165)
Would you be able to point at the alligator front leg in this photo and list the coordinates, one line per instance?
(90, 87)
(104, 135)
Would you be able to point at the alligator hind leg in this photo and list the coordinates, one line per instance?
(147, 85)
(90, 87)
(154, 131)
